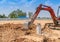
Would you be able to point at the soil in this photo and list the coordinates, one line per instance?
(10, 32)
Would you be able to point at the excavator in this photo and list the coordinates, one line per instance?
(56, 20)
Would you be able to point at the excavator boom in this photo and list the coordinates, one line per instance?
(47, 8)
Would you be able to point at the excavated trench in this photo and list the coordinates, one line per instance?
(17, 33)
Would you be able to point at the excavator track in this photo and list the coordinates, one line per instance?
(52, 26)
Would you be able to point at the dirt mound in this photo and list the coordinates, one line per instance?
(17, 33)
(13, 31)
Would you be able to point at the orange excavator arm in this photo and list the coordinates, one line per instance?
(47, 8)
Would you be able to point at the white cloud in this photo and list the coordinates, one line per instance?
(28, 6)
(7, 10)
(26, 3)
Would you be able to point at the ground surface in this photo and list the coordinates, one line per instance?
(13, 31)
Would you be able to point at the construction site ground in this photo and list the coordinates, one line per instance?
(14, 31)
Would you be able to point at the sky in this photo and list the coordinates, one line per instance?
(7, 6)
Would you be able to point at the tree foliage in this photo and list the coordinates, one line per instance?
(16, 14)
(12, 14)
(3, 16)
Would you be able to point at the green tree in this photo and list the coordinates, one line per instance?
(16, 14)
(13, 14)
(0, 16)
(3, 16)
(21, 13)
